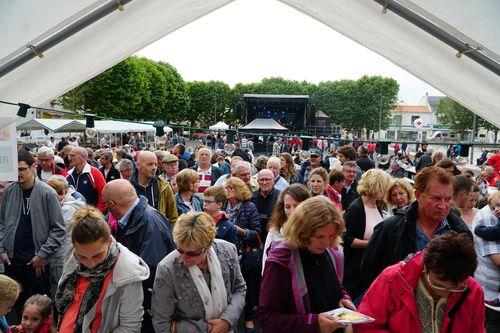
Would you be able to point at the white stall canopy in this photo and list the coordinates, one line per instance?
(101, 126)
(451, 44)
(219, 126)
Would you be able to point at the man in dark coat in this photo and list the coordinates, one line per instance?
(410, 229)
(143, 230)
(240, 152)
(107, 168)
(265, 198)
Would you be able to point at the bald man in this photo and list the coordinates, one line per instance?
(86, 179)
(142, 229)
(155, 188)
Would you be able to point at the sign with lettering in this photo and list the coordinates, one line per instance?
(8, 153)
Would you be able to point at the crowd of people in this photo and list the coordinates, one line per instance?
(130, 239)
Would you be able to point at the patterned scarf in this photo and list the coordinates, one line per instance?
(66, 291)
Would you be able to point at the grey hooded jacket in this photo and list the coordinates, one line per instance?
(49, 228)
(176, 299)
(121, 307)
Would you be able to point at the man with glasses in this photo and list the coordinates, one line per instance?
(46, 166)
(126, 168)
(215, 199)
(142, 229)
(432, 291)
(411, 229)
(349, 191)
(32, 229)
(265, 198)
(207, 173)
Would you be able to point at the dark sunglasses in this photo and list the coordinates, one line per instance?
(191, 254)
(209, 201)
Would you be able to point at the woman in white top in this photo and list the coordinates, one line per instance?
(289, 198)
(469, 212)
(361, 217)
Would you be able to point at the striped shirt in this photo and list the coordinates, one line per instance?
(487, 273)
(205, 179)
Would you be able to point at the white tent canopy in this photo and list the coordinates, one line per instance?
(102, 126)
(42, 124)
(264, 124)
(219, 126)
(85, 54)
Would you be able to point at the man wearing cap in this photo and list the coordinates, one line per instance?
(170, 167)
(314, 161)
(46, 166)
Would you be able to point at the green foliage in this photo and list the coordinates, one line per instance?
(140, 88)
(358, 103)
(457, 117)
(136, 88)
(210, 102)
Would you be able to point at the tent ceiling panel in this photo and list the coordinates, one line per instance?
(414, 49)
(90, 51)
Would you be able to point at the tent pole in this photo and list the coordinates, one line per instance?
(61, 35)
(440, 34)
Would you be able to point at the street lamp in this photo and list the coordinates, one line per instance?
(380, 115)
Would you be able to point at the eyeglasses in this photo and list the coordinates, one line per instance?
(190, 253)
(456, 289)
(265, 180)
(209, 201)
(22, 169)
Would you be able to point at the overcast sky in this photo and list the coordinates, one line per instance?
(249, 40)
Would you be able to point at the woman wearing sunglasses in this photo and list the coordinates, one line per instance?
(199, 286)
(432, 291)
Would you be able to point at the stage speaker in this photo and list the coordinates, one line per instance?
(230, 135)
(306, 142)
(464, 149)
(383, 147)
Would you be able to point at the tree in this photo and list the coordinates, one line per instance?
(357, 104)
(210, 102)
(458, 118)
(135, 89)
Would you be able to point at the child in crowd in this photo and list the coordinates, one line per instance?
(491, 233)
(37, 315)
(9, 292)
(215, 199)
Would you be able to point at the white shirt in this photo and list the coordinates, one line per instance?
(373, 218)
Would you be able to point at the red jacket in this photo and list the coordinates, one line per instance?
(391, 301)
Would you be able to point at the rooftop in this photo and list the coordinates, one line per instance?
(412, 109)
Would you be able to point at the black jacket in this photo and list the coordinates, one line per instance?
(348, 197)
(365, 163)
(241, 153)
(394, 238)
(424, 161)
(216, 173)
(265, 206)
(112, 173)
(355, 223)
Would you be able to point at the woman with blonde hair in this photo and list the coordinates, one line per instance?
(361, 217)
(199, 286)
(303, 275)
(244, 215)
(288, 169)
(399, 195)
(9, 292)
(187, 186)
